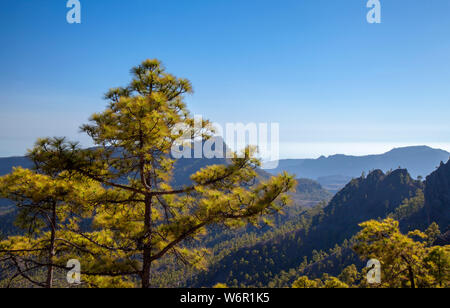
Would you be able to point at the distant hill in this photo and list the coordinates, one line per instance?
(333, 172)
(7, 164)
(309, 193)
(334, 183)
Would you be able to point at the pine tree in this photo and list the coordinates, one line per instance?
(45, 205)
(406, 261)
(139, 218)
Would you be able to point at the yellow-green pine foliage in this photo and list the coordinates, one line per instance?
(406, 260)
(304, 282)
(327, 282)
(46, 206)
(139, 218)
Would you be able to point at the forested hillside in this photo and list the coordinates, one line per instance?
(309, 246)
(365, 198)
(314, 241)
(437, 195)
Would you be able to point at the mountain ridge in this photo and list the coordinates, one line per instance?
(418, 160)
(371, 197)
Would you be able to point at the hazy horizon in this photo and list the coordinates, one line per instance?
(297, 150)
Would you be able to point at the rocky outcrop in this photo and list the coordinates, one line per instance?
(437, 196)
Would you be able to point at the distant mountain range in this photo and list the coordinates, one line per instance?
(335, 171)
(332, 172)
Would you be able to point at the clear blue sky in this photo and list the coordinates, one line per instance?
(334, 82)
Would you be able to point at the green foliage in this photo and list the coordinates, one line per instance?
(334, 283)
(305, 283)
(437, 263)
(327, 282)
(45, 205)
(432, 233)
(405, 262)
(349, 275)
(138, 220)
(410, 206)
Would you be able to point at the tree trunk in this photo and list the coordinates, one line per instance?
(147, 243)
(411, 277)
(51, 252)
(440, 272)
(410, 272)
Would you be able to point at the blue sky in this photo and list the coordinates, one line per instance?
(335, 83)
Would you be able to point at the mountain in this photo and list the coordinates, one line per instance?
(319, 229)
(437, 196)
(323, 235)
(7, 164)
(364, 198)
(334, 171)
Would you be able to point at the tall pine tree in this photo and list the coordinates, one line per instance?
(138, 217)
